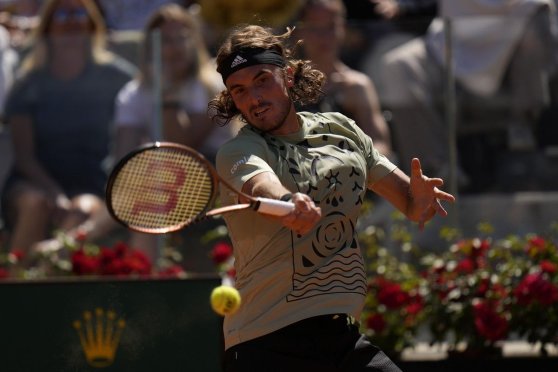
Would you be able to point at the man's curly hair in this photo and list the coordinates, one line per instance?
(308, 81)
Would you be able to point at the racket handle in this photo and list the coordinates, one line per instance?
(274, 207)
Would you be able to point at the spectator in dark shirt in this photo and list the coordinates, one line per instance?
(60, 113)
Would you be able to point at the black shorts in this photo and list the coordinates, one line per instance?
(324, 343)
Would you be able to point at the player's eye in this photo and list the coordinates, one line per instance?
(237, 92)
(262, 80)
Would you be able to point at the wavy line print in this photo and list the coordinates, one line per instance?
(318, 282)
(345, 260)
(317, 292)
(332, 271)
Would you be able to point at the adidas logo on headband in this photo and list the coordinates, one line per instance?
(249, 57)
(237, 61)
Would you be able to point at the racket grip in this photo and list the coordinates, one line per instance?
(274, 207)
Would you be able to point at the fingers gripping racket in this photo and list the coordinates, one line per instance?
(162, 187)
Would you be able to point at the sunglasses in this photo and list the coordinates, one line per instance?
(64, 15)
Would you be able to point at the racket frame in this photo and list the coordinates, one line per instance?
(254, 203)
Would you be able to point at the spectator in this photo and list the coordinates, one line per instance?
(60, 113)
(493, 42)
(351, 92)
(127, 15)
(395, 22)
(188, 81)
(8, 63)
(19, 20)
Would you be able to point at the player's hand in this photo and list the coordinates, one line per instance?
(304, 216)
(426, 196)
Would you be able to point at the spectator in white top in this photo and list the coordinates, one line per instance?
(188, 80)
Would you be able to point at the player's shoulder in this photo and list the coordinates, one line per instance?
(320, 118)
(246, 135)
(245, 141)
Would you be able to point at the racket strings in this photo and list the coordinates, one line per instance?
(161, 189)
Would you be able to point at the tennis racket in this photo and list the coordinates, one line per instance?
(162, 187)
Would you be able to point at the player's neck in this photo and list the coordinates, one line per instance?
(290, 125)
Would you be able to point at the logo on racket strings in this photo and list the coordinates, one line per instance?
(162, 191)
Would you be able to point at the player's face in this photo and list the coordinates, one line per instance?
(261, 94)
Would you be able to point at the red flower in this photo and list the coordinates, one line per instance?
(548, 267)
(84, 264)
(415, 306)
(535, 246)
(221, 252)
(488, 322)
(465, 266)
(500, 291)
(484, 286)
(534, 287)
(120, 260)
(121, 249)
(231, 273)
(480, 247)
(174, 271)
(17, 254)
(4, 273)
(136, 262)
(376, 322)
(391, 294)
(81, 236)
(107, 255)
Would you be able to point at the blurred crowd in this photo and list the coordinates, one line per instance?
(468, 86)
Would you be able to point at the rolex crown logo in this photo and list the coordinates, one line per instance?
(99, 335)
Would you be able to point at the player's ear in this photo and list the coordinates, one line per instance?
(289, 76)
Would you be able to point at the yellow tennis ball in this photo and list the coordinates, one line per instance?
(225, 300)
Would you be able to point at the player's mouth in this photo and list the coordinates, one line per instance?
(260, 112)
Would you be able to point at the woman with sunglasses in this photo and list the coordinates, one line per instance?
(60, 113)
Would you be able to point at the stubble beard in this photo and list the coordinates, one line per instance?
(282, 117)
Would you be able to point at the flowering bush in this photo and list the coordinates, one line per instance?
(468, 297)
(535, 291)
(484, 291)
(118, 260)
(477, 293)
(394, 306)
(76, 257)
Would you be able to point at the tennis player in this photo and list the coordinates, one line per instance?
(301, 277)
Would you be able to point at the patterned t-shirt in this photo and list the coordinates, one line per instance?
(284, 277)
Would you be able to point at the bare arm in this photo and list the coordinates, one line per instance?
(418, 196)
(305, 215)
(361, 101)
